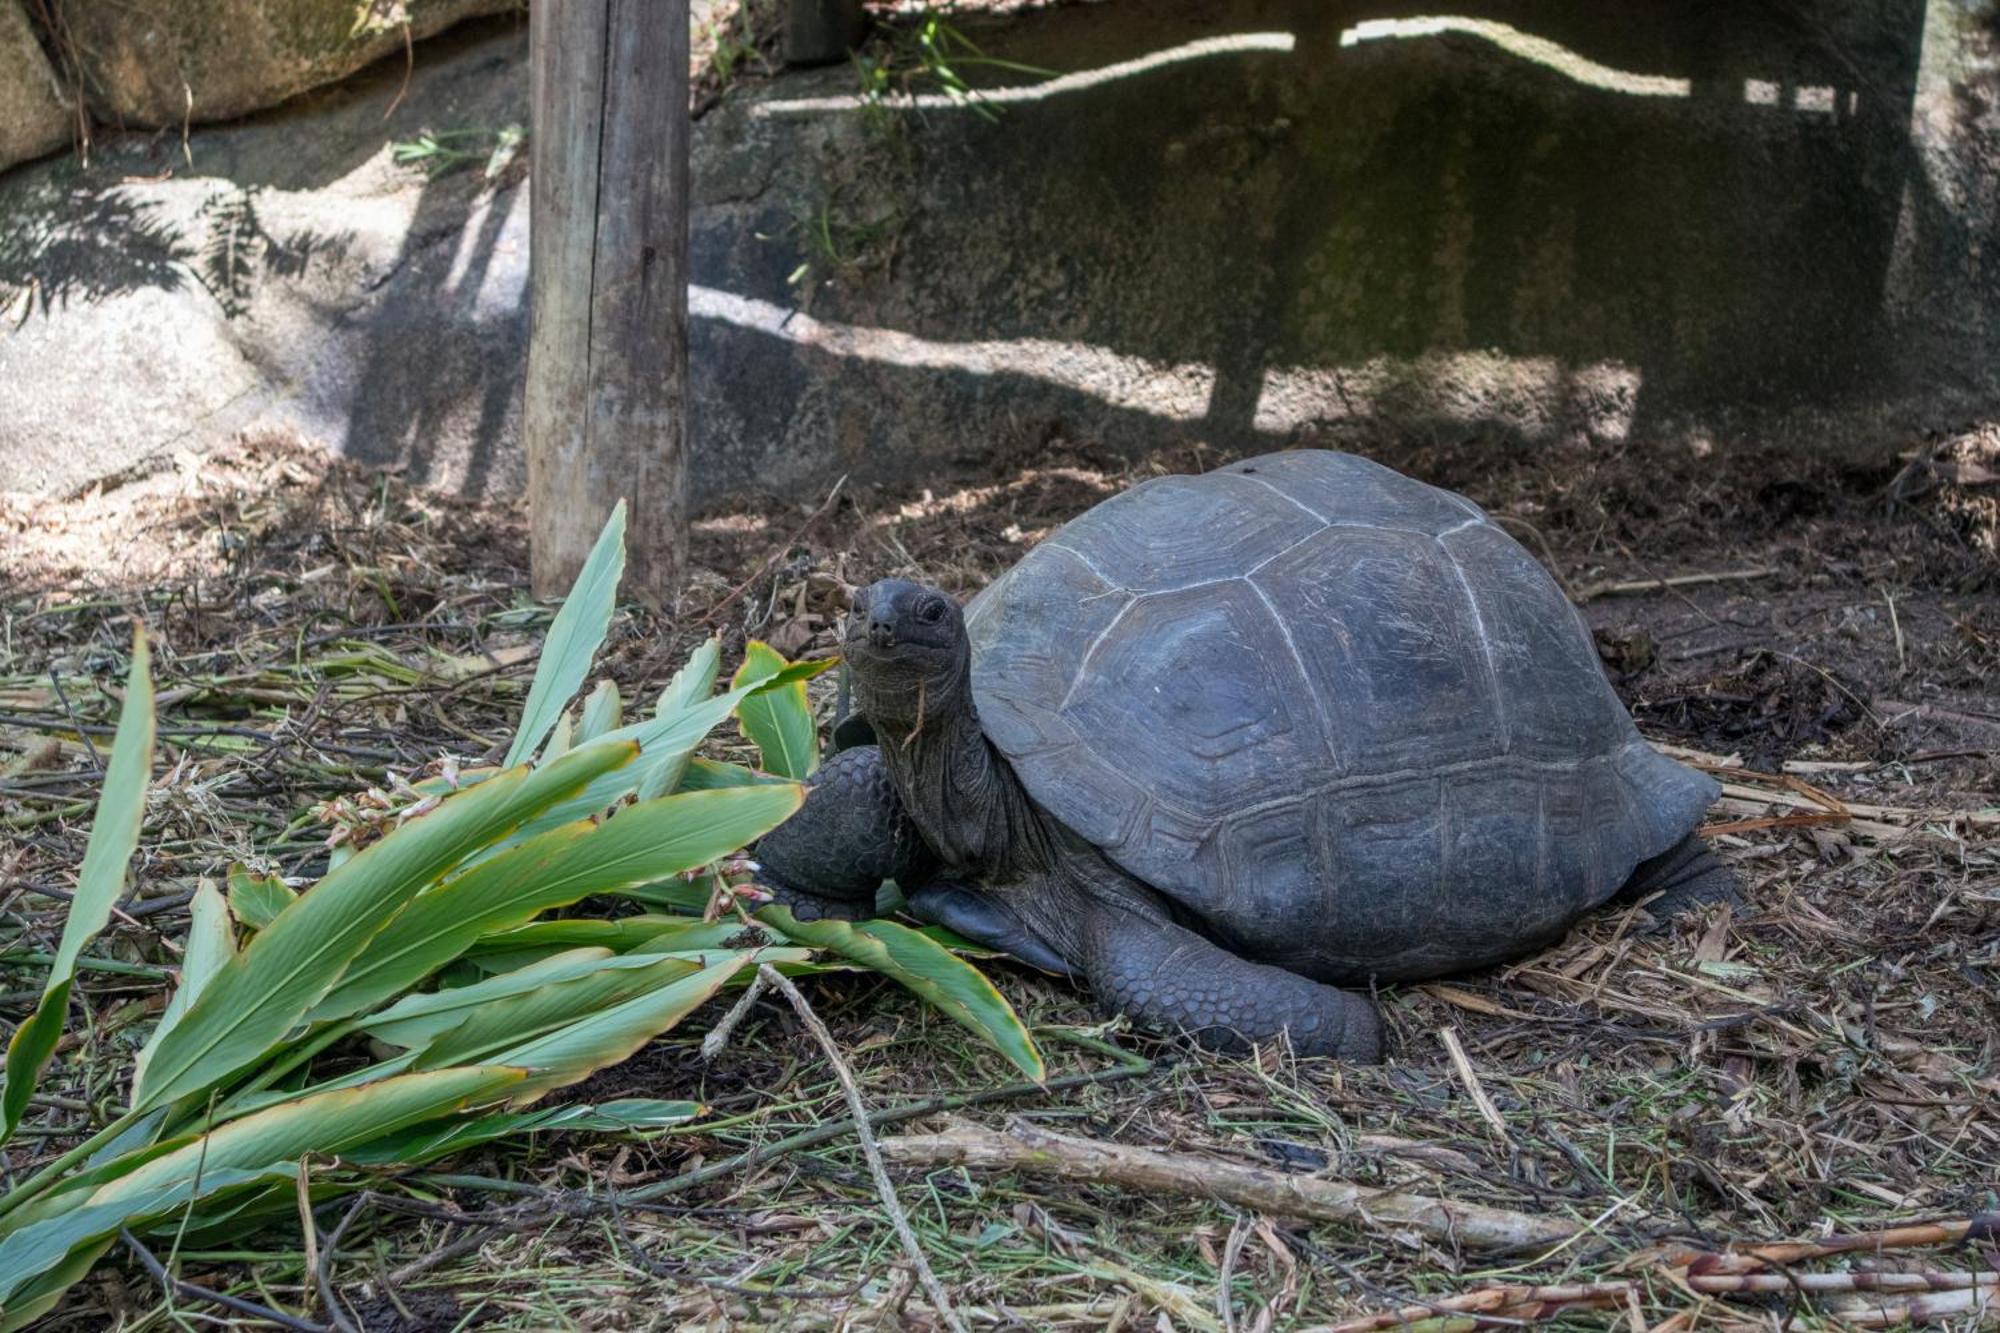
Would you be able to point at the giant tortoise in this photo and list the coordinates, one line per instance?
(1226, 743)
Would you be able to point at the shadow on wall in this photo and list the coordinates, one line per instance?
(1249, 221)
(1244, 222)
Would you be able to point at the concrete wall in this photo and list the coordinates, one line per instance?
(1248, 222)
(1646, 220)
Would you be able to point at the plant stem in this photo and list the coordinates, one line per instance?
(34, 958)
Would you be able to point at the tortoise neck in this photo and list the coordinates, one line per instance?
(961, 792)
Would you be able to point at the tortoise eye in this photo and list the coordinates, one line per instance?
(931, 612)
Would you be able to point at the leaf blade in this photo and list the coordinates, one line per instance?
(573, 638)
(778, 720)
(290, 965)
(211, 942)
(955, 987)
(641, 844)
(114, 834)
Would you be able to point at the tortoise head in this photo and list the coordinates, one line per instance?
(907, 648)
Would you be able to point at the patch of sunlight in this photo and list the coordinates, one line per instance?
(1540, 50)
(1173, 392)
(1534, 395)
(1282, 43)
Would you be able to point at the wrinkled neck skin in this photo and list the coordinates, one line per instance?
(976, 815)
(959, 790)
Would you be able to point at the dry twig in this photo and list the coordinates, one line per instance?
(870, 1150)
(1029, 1148)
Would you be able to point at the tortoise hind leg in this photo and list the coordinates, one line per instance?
(1167, 977)
(1687, 876)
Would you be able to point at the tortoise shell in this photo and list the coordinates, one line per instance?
(1335, 714)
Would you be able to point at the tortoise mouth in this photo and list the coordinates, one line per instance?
(870, 648)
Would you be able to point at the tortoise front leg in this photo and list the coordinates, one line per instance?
(984, 918)
(1166, 977)
(830, 858)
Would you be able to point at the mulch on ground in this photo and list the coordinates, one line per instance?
(1825, 1058)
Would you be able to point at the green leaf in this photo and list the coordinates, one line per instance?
(694, 682)
(255, 900)
(255, 1000)
(45, 1292)
(114, 832)
(562, 737)
(574, 638)
(416, 1019)
(651, 933)
(639, 845)
(601, 712)
(573, 1053)
(427, 1142)
(211, 942)
(324, 1124)
(505, 1024)
(950, 983)
(711, 774)
(665, 745)
(33, 1250)
(778, 720)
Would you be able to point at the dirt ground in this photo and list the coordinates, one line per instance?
(1825, 1058)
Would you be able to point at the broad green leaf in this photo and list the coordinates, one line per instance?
(574, 637)
(639, 845)
(255, 900)
(778, 720)
(933, 972)
(44, 1245)
(665, 749)
(652, 933)
(427, 1142)
(601, 712)
(686, 893)
(710, 774)
(419, 1019)
(694, 682)
(562, 737)
(47, 1288)
(571, 1054)
(689, 933)
(415, 1019)
(114, 832)
(505, 1024)
(211, 942)
(665, 746)
(325, 1124)
(259, 995)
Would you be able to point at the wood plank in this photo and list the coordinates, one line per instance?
(606, 403)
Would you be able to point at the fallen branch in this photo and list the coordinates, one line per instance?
(1911, 1297)
(1723, 1283)
(1941, 1293)
(1037, 1151)
(1592, 591)
(1754, 1258)
(1513, 1302)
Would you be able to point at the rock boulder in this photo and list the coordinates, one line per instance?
(33, 120)
(160, 62)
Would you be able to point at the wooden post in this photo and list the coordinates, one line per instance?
(607, 390)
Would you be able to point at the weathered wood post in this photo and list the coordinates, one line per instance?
(607, 391)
